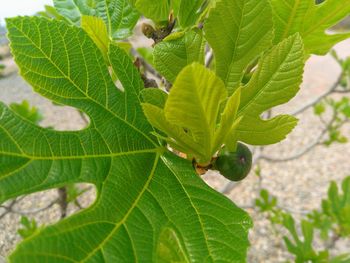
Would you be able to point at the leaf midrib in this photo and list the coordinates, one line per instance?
(123, 220)
(262, 90)
(75, 85)
(291, 19)
(88, 156)
(321, 21)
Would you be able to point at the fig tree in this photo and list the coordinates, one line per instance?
(235, 166)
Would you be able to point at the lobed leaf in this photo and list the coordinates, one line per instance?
(231, 30)
(311, 21)
(176, 52)
(119, 16)
(275, 82)
(157, 10)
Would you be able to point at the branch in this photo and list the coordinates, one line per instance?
(147, 66)
(307, 149)
(320, 98)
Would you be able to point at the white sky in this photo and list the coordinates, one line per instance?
(9, 8)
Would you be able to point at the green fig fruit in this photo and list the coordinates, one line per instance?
(235, 166)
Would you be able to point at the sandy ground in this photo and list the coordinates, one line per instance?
(299, 185)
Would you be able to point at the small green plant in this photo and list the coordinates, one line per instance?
(2, 67)
(27, 112)
(335, 212)
(29, 227)
(332, 218)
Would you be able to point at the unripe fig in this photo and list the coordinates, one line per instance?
(235, 166)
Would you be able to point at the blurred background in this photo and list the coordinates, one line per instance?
(296, 171)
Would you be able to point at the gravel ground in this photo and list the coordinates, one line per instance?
(300, 185)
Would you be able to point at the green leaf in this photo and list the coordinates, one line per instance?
(198, 116)
(140, 189)
(178, 138)
(319, 109)
(194, 104)
(97, 30)
(311, 21)
(157, 10)
(24, 110)
(178, 51)
(170, 248)
(225, 133)
(119, 16)
(344, 258)
(308, 233)
(189, 12)
(51, 12)
(146, 54)
(29, 227)
(74, 9)
(154, 96)
(238, 32)
(275, 82)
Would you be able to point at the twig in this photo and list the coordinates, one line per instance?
(307, 149)
(8, 209)
(293, 157)
(317, 100)
(146, 66)
(332, 242)
(293, 211)
(62, 201)
(83, 117)
(34, 211)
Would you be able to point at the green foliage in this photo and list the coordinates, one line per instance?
(24, 110)
(187, 12)
(340, 116)
(332, 220)
(51, 13)
(119, 15)
(275, 82)
(2, 67)
(271, 85)
(139, 185)
(191, 111)
(302, 249)
(29, 227)
(311, 21)
(97, 31)
(146, 54)
(266, 202)
(177, 51)
(151, 205)
(337, 207)
(231, 30)
(154, 96)
(345, 70)
(158, 10)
